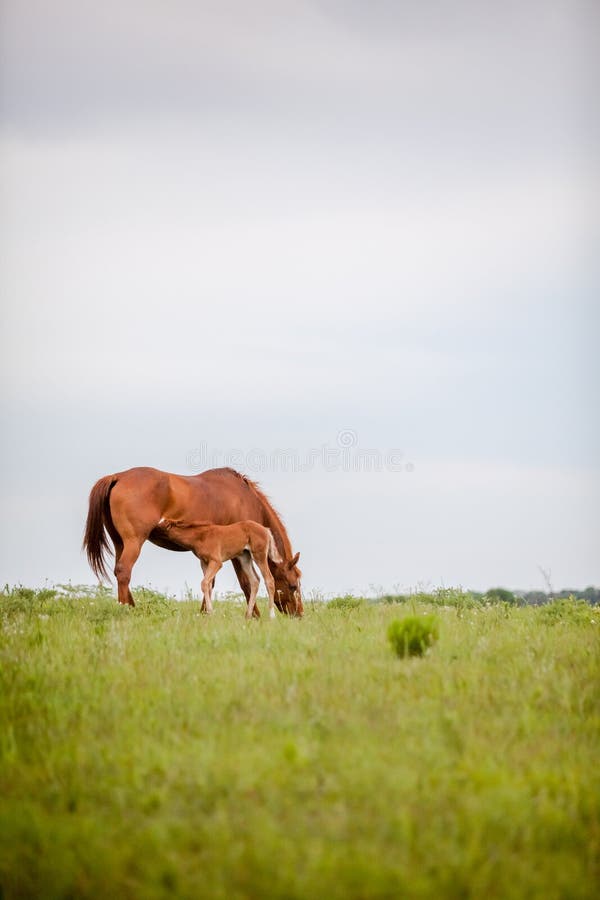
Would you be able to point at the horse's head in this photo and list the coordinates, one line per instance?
(288, 594)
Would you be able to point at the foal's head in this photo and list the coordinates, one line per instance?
(288, 594)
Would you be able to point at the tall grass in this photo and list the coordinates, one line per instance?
(153, 752)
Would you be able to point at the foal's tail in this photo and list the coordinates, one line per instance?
(272, 551)
(95, 540)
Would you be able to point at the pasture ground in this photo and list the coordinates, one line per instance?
(154, 753)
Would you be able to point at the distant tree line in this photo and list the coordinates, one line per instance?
(537, 598)
(467, 599)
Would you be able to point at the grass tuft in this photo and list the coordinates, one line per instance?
(413, 635)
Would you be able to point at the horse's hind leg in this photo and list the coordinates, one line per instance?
(131, 525)
(124, 564)
(126, 553)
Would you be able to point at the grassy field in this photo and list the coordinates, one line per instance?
(153, 752)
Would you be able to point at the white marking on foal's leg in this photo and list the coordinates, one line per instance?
(245, 559)
(270, 586)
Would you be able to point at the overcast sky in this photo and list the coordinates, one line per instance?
(237, 228)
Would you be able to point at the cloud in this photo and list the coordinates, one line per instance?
(463, 81)
(463, 288)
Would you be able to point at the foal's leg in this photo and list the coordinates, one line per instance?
(262, 562)
(244, 583)
(210, 570)
(203, 604)
(246, 564)
(212, 587)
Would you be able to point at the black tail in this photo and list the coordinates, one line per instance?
(95, 539)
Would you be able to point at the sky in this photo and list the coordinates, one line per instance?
(348, 247)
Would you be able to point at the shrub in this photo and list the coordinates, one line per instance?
(455, 597)
(149, 595)
(568, 610)
(25, 600)
(500, 595)
(393, 598)
(414, 635)
(348, 601)
(85, 591)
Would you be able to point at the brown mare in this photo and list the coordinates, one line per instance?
(247, 542)
(129, 506)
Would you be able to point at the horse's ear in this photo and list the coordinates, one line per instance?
(294, 561)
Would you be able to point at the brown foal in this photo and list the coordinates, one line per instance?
(246, 541)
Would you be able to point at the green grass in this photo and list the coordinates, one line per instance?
(153, 752)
